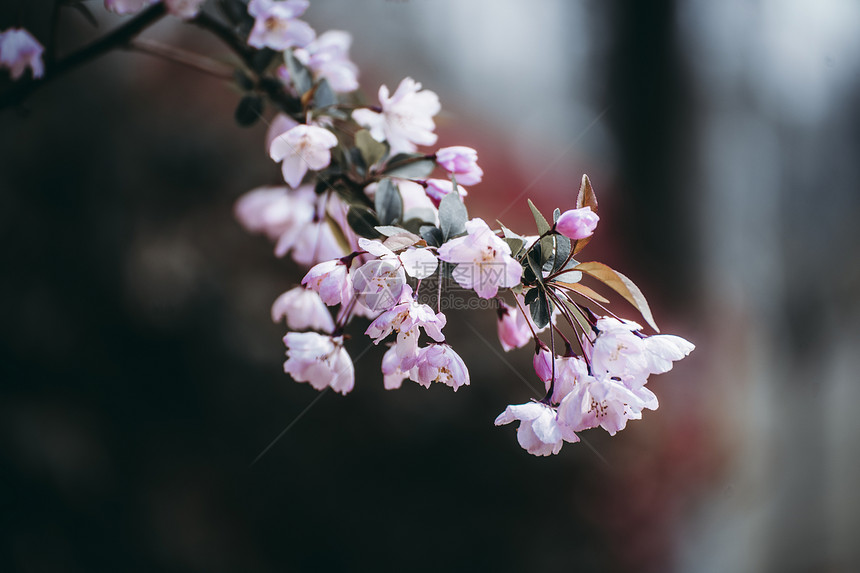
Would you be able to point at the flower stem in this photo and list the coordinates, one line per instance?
(182, 57)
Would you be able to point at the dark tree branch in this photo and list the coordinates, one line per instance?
(118, 38)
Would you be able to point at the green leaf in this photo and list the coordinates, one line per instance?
(531, 295)
(337, 231)
(431, 234)
(401, 241)
(389, 230)
(620, 284)
(562, 251)
(541, 309)
(299, 74)
(324, 96)
(540, 221)
(534, 264)
(576, 312)
(371, 150)
(515, 243)
(416, 169)
(363, 221)
(388, 202)
(556, 214)
(249, 110)
(452, 216)
(583, 290)
(424, 214)
(546, 249)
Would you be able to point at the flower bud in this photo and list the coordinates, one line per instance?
(577, 223)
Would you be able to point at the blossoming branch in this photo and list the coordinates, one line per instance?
(377, 215)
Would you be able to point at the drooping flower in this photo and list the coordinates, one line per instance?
(540, 432)
(483, 260)
(419, 263)
(621, 351)
(303, 308)
(320, 360)
(406, 318)
(601, 401)
(332, 281)
(328, 57)
(19, 50)
(514, 331)
(436, 189)
(392, 375)
(185, 9)
(406, 118)
(301, 148)
(462, 162)
(279, 125)
(568, 370)
(296, 220)
(379, 283)
(577, 223)
(127, 6)
(439, 363)
(276, 24)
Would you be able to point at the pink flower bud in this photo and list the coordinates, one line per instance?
(577, 223)
(462, 162)
(543, 364)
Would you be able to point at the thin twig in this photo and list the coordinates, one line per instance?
(183, 57)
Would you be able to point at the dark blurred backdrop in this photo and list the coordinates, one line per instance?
(141, 375)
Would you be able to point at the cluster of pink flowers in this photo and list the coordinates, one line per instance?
(376, 219)
(376, 214)
(390, 224)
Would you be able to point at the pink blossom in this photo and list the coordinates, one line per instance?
(484, 261)
(320, 360)
(279, 125)
(577, 223)
(20, 50)
(301, 148)
(462, 162)
(419, 263)
(379, 283)
(185, 9)
(621, 351)
(540, 432)
(437, 188)
(542, 363)
(276, 25)
(295, 220)
(392, 375)
(568, 370)
(331, 280)
(127, 6)
(328, 57)
(406, 118)
(316, 242)
(662, 349)
(514, 331)
(275, 211)
(603, 402)
(303, 308)
(439, 363)
(406, 318)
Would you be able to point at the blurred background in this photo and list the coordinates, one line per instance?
(141, 375)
